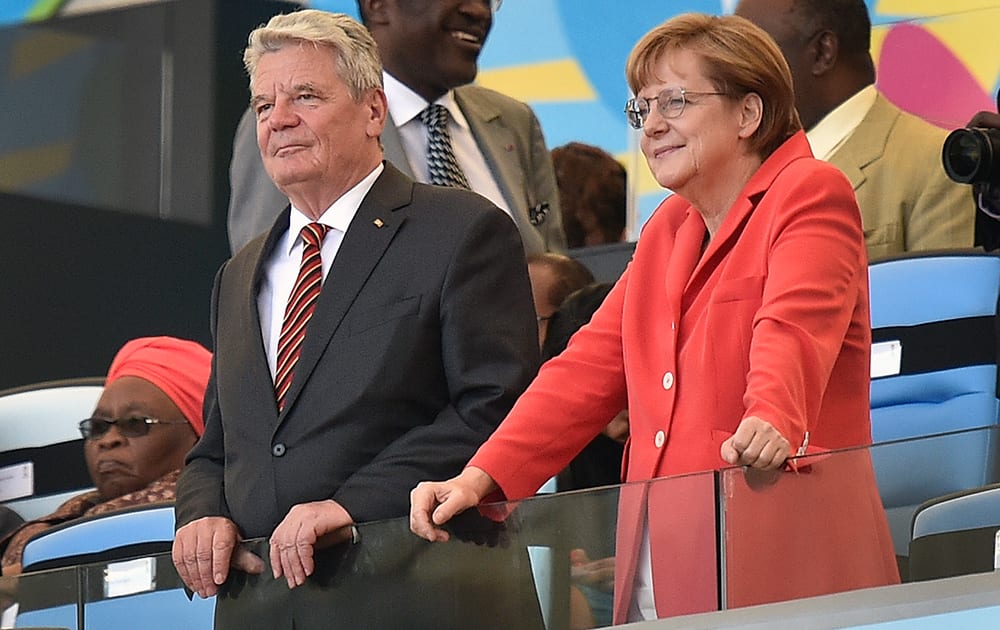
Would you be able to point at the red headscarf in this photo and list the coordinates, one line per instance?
(178, 367)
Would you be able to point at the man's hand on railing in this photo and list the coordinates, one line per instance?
(307, 527)
(204, 550)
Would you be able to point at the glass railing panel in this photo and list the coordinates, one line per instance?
(391, 579)
(141, 593)
(815, 529)
(592, 541)
(46, 599)
(820, 530)
(717, 540)
(911, 471)
(546, 562)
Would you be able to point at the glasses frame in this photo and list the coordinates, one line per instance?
(634, 106)
(146, 423)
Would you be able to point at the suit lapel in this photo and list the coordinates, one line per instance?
(739, 214)
(867, 143)
(684, 256)
(499, 147)
(258, 374)
(368, 236)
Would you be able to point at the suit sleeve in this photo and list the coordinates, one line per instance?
(572, 400)
(489, 353)
(201, 488)
(816, 281)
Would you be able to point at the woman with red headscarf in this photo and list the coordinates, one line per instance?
(147, 419)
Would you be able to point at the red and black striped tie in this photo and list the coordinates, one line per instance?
(301, 304)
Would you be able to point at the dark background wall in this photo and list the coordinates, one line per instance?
(123, 241)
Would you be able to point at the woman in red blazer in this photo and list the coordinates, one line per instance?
(739, 334)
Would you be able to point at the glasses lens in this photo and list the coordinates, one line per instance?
(94, 428)
(670, 102)
(133, 427)
(495, 5)
(634, 112)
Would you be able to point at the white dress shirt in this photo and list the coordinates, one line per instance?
(282, 268)
(833, 130)
(643, 606)
(405, 106)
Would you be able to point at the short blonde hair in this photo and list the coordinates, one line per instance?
(738, 57)
(358, 61)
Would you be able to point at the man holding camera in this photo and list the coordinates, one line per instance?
(972, 156)
(891, 157)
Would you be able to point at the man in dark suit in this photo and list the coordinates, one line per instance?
(430, 50)
(422, 337)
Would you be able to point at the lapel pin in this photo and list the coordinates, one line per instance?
(379, 223)
(509, 147)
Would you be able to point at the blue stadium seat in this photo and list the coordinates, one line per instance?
(934, 372)
(970, 509)
(955, 534)
(40, 442)
(130, 533)
(114, 540)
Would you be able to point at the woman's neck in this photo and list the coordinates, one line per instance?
(714, 200)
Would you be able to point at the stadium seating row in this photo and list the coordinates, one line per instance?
(934, 376)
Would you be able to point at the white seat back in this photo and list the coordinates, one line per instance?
(41, 450)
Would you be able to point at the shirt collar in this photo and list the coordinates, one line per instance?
(835, 128)
(340, 213)
(405, 104)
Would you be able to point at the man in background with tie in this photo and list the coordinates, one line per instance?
(491, 143)
(375, 336)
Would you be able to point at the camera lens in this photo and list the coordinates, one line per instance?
(972, 156)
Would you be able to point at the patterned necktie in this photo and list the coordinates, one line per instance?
(301, 304)
(441, 162)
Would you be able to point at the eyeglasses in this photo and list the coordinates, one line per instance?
(669, 104)
(95, 428)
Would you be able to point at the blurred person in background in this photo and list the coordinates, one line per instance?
(147, 418)
(600, 462)
(986, 176)
(553, 278)
(430, 50)
(891, 157)
(592, 194)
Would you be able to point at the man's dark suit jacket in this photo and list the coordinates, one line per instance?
(423, 337)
